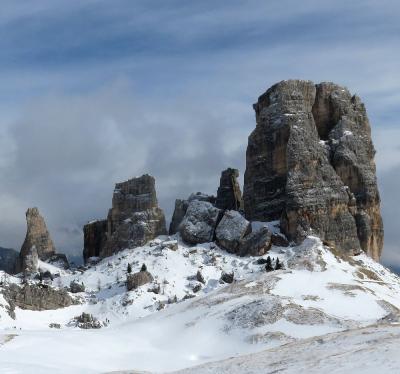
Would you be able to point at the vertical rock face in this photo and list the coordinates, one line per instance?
(30, 263)
(310, 163)
(229, 195)
(133, 220)
(94, 238)
(38, 237)
(177, 217)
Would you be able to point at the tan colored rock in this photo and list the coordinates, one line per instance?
(37, 236)
(133, 220)
(310, 164)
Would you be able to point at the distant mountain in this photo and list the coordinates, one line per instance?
(8, 257)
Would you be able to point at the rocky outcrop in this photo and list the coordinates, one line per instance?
(229, 195)
(30, 263)
(36, 297)
(8, 259)
(232, 228)
(199, 223)
(94, 238)
(133, 220)
(310, 163)
(138, 279)
(86, 321)
(75, 287)
(37, 245)
(181, 208)
(37, 236)
(177, 217)
(257, 243)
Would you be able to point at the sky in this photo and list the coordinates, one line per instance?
(94, 92)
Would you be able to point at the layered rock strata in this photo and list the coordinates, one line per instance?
(133, 220)
(310, 164)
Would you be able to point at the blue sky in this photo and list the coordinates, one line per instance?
(94, 92)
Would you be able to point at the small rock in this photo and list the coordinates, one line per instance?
(75, 287)
(227, 277)
(279, 240)
(199, 277)
(171, 244)
(197, 288)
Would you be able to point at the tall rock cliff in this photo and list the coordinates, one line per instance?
(310, 164)
(37, 236)
(134, 219)
(94, 238)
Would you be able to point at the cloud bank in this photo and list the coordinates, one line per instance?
(94, 93)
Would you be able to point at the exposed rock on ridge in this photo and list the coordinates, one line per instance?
(37, 245)
(36, 297)
(133, 220)
(229, 195)
(309, 163)
(37, 235)
(94, 238)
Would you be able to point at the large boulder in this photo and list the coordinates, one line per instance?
(181, 208)
(257, 243)
(199, 223)
(232, 228)
(310, 163)
(229, 195)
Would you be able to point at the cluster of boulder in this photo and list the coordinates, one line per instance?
(202, 218)
(309, 164)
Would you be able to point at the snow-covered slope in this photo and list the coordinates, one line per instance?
(316, 294)
(368, 350)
